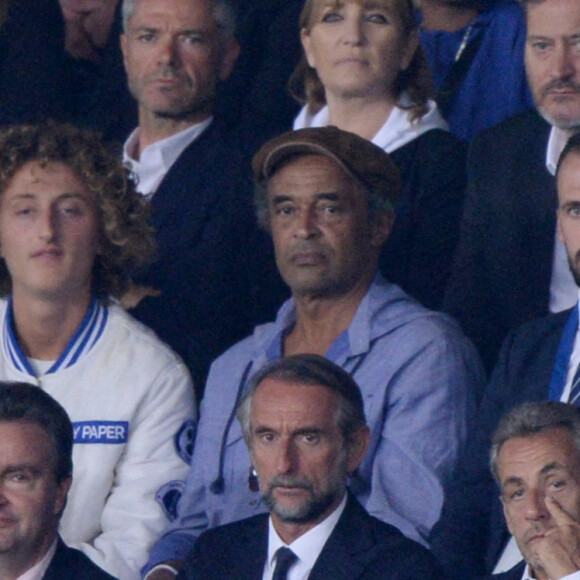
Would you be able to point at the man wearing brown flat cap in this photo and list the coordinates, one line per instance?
(326, 197)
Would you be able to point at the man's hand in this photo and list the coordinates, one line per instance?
(136, 293)
(558, 552)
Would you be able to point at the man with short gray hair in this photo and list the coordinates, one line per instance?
(535, 459)
(176, 53)
(304, 423)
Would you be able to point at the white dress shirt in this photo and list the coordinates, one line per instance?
(39, 569)
(528, 575)
(307, 547)
(155, 160)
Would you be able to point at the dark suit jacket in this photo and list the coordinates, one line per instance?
(360, 548)
(419, 252)
(203, 219)
(71, 564)
(503, 264)
(471, 533)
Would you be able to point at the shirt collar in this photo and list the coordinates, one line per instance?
(156, 159)
(308, 546)
(84, 339)
(556, 143)
(38, 570)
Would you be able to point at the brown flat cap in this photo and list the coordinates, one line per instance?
(359, 158)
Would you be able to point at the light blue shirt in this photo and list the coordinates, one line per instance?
(418, 375)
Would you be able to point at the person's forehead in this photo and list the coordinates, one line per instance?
(187, 13)
(552, 17)
(569, 173)
(58, 173)
(527, 456)
(24, 442)
(284, 399)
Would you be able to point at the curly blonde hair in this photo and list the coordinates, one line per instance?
(127, 241)
(307, 88)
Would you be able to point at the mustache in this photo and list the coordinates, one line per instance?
(558, 85)
(290, 481)
(166, 71)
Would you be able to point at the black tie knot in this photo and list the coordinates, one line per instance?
(285, 557)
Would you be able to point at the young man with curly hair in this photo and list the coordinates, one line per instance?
(71, 231)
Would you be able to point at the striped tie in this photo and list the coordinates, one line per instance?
(575, 389)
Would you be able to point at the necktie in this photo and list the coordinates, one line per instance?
(285, 557)
(575, 388)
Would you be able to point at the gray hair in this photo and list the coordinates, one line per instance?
(224, 14)
(533, 418)
(309, 370)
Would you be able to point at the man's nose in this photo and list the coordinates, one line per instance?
(307, 224)
(562, 65)
(48, 225)
(536, 506)
(286, 457)
(168, 52)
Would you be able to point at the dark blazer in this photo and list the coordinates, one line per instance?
(360, 548)
(503, 264)
(203, 219)
(71, 564)
(419, 252)
(471, 533)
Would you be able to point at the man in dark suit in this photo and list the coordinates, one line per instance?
(36, 441)
(535, 460)
(195, 294)
(537, 361)
(508, 267)
(304, 424)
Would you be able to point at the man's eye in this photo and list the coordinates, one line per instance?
(145, 37)
(24, 211)
(193, 39)
(284, 210)
(311, 438)
(540, 46)
(515, 495)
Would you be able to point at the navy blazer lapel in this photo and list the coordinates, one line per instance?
(343, 555)
(251, 549)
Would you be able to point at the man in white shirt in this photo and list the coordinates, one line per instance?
(176, 52)
(36, 441)
(535, 459)
(304, 423)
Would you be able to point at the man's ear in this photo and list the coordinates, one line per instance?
(124, 42)
(381, 227)
(61, 494)
(357, 447)
(506, 514)
(231, 51)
